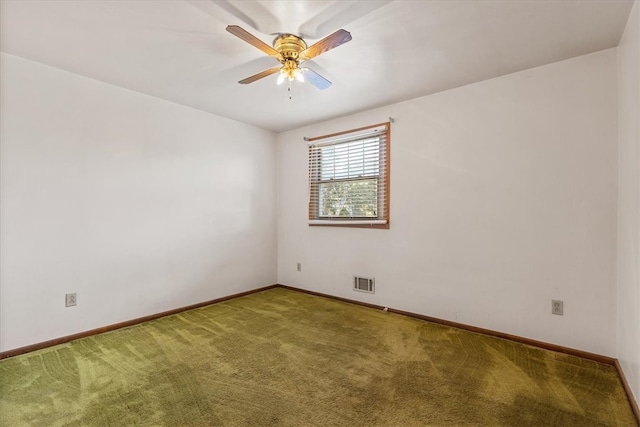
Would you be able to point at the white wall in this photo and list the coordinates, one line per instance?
(628, 326)
(503, 197)
(136, 204)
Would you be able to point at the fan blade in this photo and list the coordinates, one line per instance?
(253, 40)
(330, 42)
(260, 75)
(315, 79)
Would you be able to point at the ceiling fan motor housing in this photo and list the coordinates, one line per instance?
(289, 46)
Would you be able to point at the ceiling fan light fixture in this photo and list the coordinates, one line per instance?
(291, 71)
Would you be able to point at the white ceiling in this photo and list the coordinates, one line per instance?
(179, 50)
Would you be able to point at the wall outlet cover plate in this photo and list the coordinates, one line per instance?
(557, 307)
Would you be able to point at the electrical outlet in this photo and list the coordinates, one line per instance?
(70, 300)
(557, 307)
(299, 266)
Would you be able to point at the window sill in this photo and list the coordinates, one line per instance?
(356, 223)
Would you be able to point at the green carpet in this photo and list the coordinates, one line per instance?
(285, 358)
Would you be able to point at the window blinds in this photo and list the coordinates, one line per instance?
(349, 177)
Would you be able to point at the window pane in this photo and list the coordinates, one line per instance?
(356, 199)
(350, 160)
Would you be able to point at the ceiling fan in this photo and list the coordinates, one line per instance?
(291, 50)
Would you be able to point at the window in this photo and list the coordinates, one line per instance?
(349, 178)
